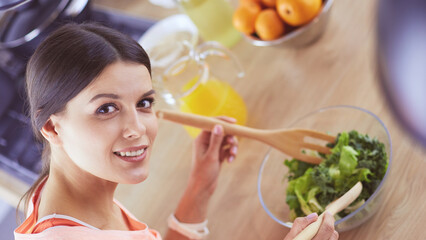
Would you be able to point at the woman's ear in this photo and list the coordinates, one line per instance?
(49, 132)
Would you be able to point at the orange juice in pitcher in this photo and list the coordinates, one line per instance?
(213, 98)
(192, 83)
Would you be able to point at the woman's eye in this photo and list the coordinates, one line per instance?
(146, 103)
(105, 109)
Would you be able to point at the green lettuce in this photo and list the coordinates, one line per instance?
(354, 157)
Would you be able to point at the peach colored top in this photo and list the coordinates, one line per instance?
(64, 227)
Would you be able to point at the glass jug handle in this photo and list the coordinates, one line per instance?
(212, 48)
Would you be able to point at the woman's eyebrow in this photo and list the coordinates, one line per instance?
(150, 92)
(106, 95)
(115, 96)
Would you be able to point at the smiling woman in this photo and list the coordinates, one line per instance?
(71, 79)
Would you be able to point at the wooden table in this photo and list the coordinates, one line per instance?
(337, 69)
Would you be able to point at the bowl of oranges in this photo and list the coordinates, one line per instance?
(292, 23)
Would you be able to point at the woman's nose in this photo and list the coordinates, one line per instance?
(134, 127)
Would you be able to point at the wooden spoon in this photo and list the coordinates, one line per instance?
(289, 141)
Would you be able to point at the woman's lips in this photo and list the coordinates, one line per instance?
(134, 154)
(132, 149)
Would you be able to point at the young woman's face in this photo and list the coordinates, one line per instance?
(108, 129)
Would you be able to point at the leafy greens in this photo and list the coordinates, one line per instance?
(354, 157)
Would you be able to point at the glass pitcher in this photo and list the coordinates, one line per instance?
(198, 80)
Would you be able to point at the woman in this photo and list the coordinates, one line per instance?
(90, 95)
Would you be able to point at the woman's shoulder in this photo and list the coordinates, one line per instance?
(65, 227)
(82, 232)
(55, 225)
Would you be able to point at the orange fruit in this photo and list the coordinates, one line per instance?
(258, 2)
(298, 12)
(245, 16)
(253, 6)
(269, 3)
(269, 25)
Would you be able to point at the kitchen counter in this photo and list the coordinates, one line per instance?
(282, 84)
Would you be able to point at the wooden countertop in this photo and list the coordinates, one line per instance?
(337, 69)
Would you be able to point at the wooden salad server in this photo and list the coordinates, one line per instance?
(289, 141)
(336, 206)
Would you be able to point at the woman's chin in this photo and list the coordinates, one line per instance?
(134, 178)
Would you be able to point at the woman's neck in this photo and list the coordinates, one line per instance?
(71, 191)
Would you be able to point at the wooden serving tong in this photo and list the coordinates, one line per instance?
(338, 205)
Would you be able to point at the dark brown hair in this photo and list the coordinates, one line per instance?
(64, 64)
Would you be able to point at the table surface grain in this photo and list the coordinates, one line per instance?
(282, 84)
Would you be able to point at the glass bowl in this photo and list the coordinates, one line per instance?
(272, 183)
(300, 36)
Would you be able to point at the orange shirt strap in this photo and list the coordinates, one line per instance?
(28, 225)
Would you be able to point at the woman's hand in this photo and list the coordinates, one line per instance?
(326, 231)
(211, 149)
